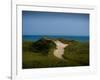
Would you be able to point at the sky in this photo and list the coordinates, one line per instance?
(52, 23)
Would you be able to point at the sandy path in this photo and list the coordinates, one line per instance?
(60, 49)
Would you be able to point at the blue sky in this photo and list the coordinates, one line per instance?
(50, 23)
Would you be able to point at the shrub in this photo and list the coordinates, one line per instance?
(43, 46)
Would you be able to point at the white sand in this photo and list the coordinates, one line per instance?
(60, 49)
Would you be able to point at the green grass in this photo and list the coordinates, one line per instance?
(37, 60)
(76, 54)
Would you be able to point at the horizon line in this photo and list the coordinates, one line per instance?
(52, 35)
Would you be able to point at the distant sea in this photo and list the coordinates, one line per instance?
(37, 37)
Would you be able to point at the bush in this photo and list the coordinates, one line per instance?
(43, 46)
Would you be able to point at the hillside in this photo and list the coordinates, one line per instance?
(40, 54)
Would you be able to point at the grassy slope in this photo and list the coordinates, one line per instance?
(75, 55)
(38, 60)
(78, 52)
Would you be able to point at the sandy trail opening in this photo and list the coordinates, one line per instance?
(59, 51)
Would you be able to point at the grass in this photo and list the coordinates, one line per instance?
(37, 60)
(76, 54)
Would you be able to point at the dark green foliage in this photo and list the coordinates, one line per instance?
(43, 46)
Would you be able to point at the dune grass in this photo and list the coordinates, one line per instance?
(36, 59)
(76, 54)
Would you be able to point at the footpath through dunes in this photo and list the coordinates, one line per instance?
(59, 51)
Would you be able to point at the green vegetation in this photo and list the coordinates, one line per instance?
(78, 52)
(39, 54)
(43, 46)
(34, 60)
(67, 41)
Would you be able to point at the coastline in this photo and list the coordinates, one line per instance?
(37, 37)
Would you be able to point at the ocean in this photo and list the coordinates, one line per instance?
(37, 37)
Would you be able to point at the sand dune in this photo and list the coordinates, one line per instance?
(60, 49)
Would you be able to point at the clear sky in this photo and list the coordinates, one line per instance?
(51, 23)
